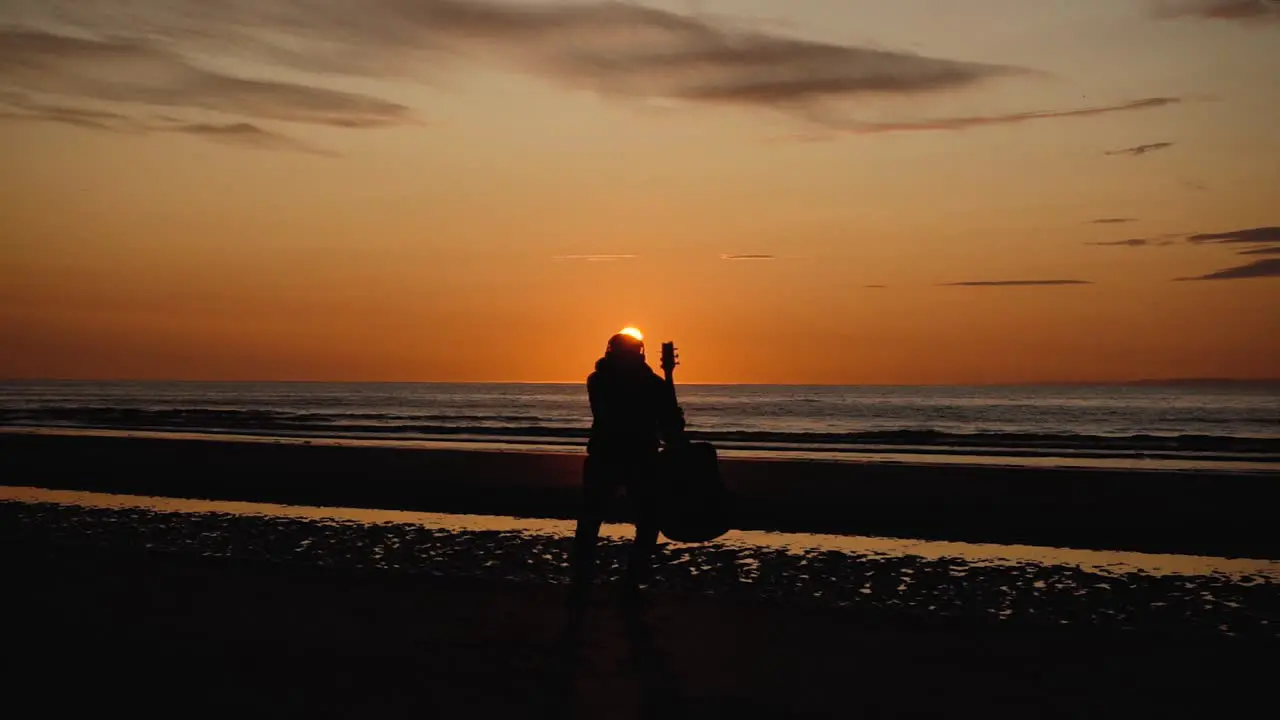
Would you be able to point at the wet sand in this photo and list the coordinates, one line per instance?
(1222, 514)
(211, 613)
(1027, 585)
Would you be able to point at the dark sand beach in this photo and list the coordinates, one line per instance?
(162, 614)
(152, 637)
(172, 608)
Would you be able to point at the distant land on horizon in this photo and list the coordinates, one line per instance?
(1144, 382)
(1194, 382)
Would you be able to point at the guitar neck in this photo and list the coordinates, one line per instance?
(669, 366)
(669, 362)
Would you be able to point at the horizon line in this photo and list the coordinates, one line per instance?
(1019, 383)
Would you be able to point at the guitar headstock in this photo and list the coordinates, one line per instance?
(670, 359)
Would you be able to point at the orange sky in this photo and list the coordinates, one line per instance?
(236, 194)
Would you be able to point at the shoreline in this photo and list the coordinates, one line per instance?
(979, 554)
(958, 455)
(1200, 513)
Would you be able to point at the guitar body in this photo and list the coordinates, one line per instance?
(695, 503)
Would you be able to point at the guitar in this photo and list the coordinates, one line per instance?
(669, 362)
(670, 359)
(696, 506)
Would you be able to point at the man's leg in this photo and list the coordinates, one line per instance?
(639, 565)
(595, 496)
(644, 503)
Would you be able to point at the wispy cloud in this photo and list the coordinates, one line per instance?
(974, 121)
(16, 107)
(245, 134)
(1273, 250)
(612, 48)
(20, 108)
(1267, 267)
(144, 72)
(1236, 10)
(876, 287)
(1135, 242)
(1256, 235)
(593, 258)
(1137, 150)
(804, 137)
(1112, 220)
(748, 257)
(1015, 283)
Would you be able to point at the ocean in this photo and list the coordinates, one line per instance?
(1229, 426)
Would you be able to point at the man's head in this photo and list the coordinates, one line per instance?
(625, 346)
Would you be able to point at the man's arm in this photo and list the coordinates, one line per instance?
(671, 421)
(593, 395)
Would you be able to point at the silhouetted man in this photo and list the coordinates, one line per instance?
(632, 410)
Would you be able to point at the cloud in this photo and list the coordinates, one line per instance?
(627, 49)
(1112, 220)
(1267, 267)
(1140, 149)
(245, 134)
(66, 115)
(1157, 241)
(1273, 250)
(1135, 242)
(1015, 283)
(876, 287)
(1236, 10)
(24, 108)
(748, 257)
(804, 137)
(1251, 235)
(613, 48)
(593, 258)
(965, 123)
(149, 73)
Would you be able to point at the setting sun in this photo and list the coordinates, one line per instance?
(633, 332)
